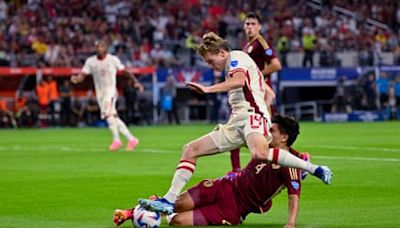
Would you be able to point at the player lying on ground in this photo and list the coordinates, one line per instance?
(104, 67)
(248, 125)
(229, 200)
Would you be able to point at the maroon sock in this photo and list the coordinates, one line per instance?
(235, 160)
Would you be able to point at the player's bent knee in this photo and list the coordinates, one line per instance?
(190, 151)
(181, 219)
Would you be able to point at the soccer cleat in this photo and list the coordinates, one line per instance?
(324, 173)
(306, 157)
(160, 205)
(120, 216)
(115, 145)
(132, 144)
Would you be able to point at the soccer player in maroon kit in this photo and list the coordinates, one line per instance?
(228, 200)
(264, 55)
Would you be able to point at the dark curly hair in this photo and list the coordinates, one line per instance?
(287, 125)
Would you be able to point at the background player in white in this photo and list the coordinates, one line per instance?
(248, 125)
(104, 67)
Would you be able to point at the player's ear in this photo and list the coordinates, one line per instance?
(222, 53)
(285, 138)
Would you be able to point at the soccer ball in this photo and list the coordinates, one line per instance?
(145, 219)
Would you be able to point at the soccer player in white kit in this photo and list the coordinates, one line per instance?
(103, 67)
(248, 125)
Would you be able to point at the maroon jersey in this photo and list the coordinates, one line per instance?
(259, 182)
(261, 52)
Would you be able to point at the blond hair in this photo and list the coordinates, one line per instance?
(212, 43)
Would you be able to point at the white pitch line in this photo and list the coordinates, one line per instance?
(356, 158)
(162, 151)
(366, 148)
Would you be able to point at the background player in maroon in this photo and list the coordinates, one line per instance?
(264, 55)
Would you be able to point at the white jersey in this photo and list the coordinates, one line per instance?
(104, 72)
(252, 95)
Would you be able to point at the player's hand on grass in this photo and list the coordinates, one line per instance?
(196, 87)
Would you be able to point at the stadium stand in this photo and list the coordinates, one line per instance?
(61, 33)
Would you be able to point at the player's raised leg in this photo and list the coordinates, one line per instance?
(205, 145)
(258, 147)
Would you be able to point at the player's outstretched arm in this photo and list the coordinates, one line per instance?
(237, 80)
(77, 78)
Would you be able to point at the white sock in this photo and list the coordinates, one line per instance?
(113, 126)
(123, 129)
(182, 175)
(285, 158)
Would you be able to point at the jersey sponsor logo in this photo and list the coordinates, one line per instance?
(250, 49)
(208, 183)
(234, 63)
(295, 185)
(269, 52)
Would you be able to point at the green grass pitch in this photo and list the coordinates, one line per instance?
(67, 178)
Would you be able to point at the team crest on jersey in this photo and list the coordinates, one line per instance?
(250, 49)
(269, 52)
(295, 185)
(208, 183)
(234, 63)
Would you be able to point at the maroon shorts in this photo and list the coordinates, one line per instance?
(215, 203)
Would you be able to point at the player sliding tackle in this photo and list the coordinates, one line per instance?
(249, 123)
(103, 67)
(251, 191)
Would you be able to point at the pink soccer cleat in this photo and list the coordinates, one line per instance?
(115, 145)
(132, 144)
(120, 216)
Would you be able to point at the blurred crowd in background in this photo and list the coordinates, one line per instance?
(62, 33)
(163, 32)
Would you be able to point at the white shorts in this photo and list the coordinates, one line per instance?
(233, 134)
(107, 104)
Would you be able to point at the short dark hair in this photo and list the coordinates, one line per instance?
(287, 125)
(254, 16)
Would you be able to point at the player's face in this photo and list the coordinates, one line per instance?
(101, 48)
(252, 27)
(278, 138)
(216, 61)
